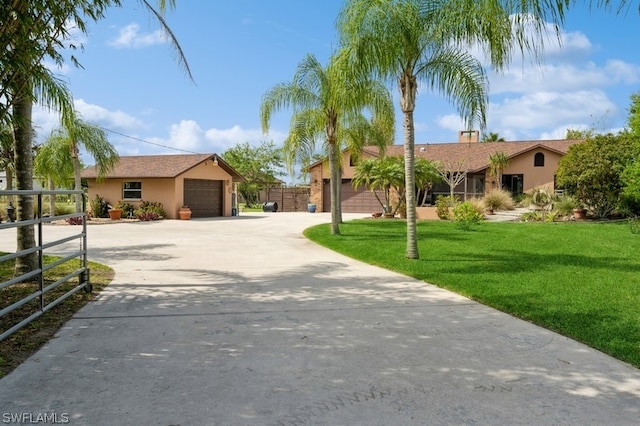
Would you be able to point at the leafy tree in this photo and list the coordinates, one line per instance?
(592, 170)
(497, 163)
(330, 101)
(634, 114)
(574, 134)
(260, 165)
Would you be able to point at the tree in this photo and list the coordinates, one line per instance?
(30, 32)
(492, 137)
(260, 165)
(592, 171)
(497, 163)
(384, 174)
(633, 119)
(411, 41)
(54, 164)
(330, 101)
(7, 153)
(75, 133)
(452, 173)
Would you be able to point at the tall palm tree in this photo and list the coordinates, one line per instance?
(30, 32)
(53, 162)
(330, 101)
(426, 41)
(75, 133)
(407, 42)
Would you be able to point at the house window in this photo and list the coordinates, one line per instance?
(353, 161)
(132, 191)
(538, 160)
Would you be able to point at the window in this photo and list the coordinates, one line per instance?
(538, 160)
(132, 190)
(353, 161)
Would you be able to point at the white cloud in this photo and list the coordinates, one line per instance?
(130, 37)
(227, 138)
(186, 135)
(100, 115)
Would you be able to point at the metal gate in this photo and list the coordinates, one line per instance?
(37, 276)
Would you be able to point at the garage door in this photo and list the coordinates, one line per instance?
(204, 197)
(359, 200)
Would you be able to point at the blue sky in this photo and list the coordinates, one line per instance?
(131, 82)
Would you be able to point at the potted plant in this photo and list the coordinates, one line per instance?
(184, 213)
(311, 208)
(115, 214)
(579, 213)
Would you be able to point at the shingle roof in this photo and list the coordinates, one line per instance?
(158, 166)
(475, 155)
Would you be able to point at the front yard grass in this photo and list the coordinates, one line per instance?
(16, 348)
(580, 280)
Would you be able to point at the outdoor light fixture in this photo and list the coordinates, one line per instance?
(215, 161)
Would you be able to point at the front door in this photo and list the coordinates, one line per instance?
(513, 184)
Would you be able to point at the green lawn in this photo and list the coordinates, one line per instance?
(579, 279)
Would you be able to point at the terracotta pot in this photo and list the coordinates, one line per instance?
(184, 213)
(580, 213)
(115, 214)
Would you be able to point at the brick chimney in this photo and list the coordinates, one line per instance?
(466, 136)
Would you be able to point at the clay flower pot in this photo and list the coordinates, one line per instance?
(184, 213)
(115, 214)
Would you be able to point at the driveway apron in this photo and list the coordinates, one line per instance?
(243, 321)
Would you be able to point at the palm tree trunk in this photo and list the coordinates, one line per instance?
(334, 173)
(408, 89)
(52, 198)
(23, 129)
(75, 155)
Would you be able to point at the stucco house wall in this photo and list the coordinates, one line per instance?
(167, 189)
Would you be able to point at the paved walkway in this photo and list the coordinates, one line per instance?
(242, 321)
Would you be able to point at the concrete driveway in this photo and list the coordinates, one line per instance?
(242, 321)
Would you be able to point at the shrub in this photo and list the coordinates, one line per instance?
(74, 220)
(99, 207)
(442, 206)
(565, 204)
(498, 199)
(127, 208)
(531, 217)
(466, 216)
(150, 210)
(477, 204)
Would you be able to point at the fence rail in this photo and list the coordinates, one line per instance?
(38, 276)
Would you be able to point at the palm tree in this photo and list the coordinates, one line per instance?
(31, 31)
(76, 132)
(7, 156)
(413, 41)
(53, 162)
(497, 163)
(407, 42)
(330, 101)
(492, 137)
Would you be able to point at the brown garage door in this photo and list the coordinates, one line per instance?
(359, 200)
(204, 197)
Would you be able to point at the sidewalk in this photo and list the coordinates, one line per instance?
(243, 321)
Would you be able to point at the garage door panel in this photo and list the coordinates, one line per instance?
(204, 197)
(359, 200)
